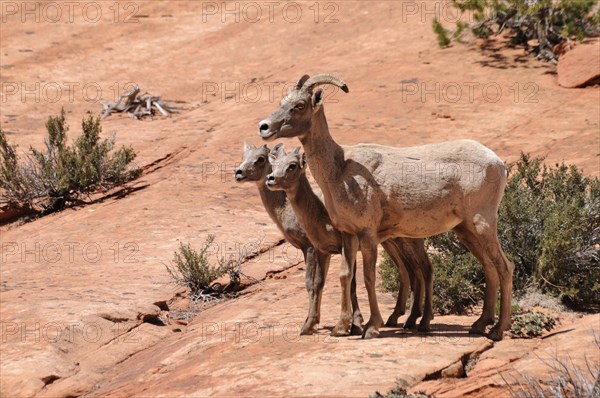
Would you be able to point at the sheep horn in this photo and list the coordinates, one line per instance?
(324, 78)
(301, 82)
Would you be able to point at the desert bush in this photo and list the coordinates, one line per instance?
(533, 297)
(191, 268)
(531, 323)
(549, 226)
(388, 275)
(458, 276)
(53, 178)
(547, 22)
(456, 283)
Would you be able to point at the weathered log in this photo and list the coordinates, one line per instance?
(136, 105)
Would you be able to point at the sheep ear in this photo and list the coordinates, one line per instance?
(303, 160)
(317, 99)
(264, 146)
(277, 150)
(296, 150)
(248, 146)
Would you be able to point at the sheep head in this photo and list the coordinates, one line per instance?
(294, 116)
(255, 164)
(287, 168)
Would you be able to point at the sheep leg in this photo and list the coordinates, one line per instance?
(505, 270)
(310, 263)
(403, 281)
(315, 281)
(368, 247)
(357, 318)
(349, 249)
(425, 270)
(417, 286)
(476, 245)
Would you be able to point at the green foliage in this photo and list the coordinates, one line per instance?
(388, 275)
(457, 282)
(61, 173)
(441, 34)
(192, 269)
(549, 227)
(458, 276)
(12, 179)
(531, 324)
(560, 247)
(548, 22)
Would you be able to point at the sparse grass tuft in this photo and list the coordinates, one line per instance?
(568, 379)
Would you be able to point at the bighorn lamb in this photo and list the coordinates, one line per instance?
(375, 192)
(255, 167)
(289, 176)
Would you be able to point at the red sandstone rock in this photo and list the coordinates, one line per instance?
(580, 66)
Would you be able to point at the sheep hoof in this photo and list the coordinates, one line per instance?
(411, 323)
(340, 330)
(370, 333)
(496, 334)
(356, 330)
(308, 330)
(479, 326)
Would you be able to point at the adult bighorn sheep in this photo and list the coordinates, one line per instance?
(255, 167)
(374, 192)
(289, 175)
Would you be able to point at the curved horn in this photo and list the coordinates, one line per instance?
(301, 82)
(324, 78)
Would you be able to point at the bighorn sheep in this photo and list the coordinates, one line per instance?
(289, 175)
(375, 192)
(255, 167)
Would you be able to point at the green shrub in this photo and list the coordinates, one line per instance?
(61, 174)
(531, 324)
(441, 34)
(549, 226)
(388, 275)
(458, 276)
(548, 22)
(192, 269)
(14, 183)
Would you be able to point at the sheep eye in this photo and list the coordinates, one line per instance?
(260, 160)
(292, 166)
(300, 107)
